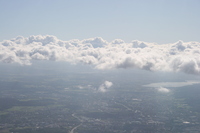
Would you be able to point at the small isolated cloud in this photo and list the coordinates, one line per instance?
(105, 86)
(84, 87)
(186, 122)
(80, 87)
(172, 84)
(162, 90)
(178, 57)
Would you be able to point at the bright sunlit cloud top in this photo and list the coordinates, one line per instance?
(179, 56)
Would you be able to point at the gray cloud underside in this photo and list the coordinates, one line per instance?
(179, 56)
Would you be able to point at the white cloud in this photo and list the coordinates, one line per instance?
(96, 42)
(162, 90)
(84, 87)
(172, 84)
(186, 122)
(108, 84)
(105, 86)
(179, 56)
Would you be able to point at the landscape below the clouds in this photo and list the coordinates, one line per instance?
(60, 97)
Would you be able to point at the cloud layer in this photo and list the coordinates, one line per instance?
(179, 56)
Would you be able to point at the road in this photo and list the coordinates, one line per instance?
(124, 106)
(72, 131)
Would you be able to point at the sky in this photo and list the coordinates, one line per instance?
(160, 21)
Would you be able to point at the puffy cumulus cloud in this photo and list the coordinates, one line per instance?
(163, 90)
(179, 56)
(105, 86)
(96, 42)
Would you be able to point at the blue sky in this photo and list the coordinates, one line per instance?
(161, 21)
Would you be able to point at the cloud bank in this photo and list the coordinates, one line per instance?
(179, 56)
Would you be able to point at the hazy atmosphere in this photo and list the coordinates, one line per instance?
(94, 66)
